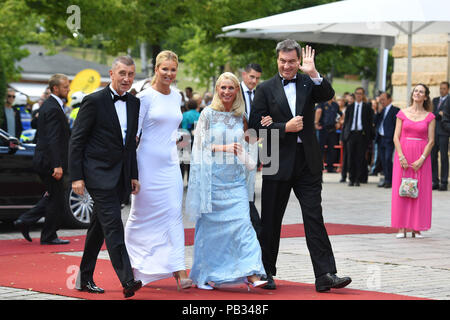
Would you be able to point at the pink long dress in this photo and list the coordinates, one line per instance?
(412, 213)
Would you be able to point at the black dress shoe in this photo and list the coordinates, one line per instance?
(342, 180)
(351, 184)
(131, 287)
(270, 282)
(443, 187)
(56, 241)
(19, 224)
(328, 281)
(356, 184)
(388, 185)
(91, 287)
(435, 187)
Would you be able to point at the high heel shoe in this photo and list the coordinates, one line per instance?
(254, 284)
(205, 287)
(401, 235)
(417, 234)
(185, 283)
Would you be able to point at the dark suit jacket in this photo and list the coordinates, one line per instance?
(19, 127)
(270, 99)
(244, 96)
(52, 138)
(445, 123)
(97, 154)
(388, 124)
(366, 119)
(444, 105)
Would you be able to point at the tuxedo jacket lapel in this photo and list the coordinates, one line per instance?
(301, 94)
(130, 120)
(280, 97)
(111, 110)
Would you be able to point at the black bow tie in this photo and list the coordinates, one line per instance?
(116, 97)
(286, 82)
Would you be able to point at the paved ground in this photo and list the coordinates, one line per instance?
(376, 262)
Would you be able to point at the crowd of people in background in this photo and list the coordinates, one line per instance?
(356, 134)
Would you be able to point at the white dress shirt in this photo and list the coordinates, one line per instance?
(381, 128)
(121, 110)
(246, 98)
(358, 122)
(291, 94)
(61, 103)
(441, 101)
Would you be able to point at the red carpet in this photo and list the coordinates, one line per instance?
(56, 274)
(38, 268)
(21, 246)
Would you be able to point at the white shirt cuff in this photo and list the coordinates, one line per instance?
(317, 81)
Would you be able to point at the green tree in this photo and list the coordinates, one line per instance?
(16, 28)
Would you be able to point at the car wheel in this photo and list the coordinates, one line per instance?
(78, 210)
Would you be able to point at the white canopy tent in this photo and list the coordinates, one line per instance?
(389, 18)
(382, 43)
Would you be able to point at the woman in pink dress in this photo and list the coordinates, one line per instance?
(413, 139)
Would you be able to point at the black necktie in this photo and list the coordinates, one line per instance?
(286, 82)
(116, 97)
(250, 99)
(356, 118)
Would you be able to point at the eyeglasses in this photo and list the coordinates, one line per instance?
(10, 96)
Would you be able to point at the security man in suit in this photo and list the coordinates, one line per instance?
(51, 162)
(358, 132)
(250, 79)
(441, 139)
(385, 127)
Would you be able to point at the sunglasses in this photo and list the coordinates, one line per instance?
(10, 96)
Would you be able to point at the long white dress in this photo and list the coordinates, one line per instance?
(154, 233)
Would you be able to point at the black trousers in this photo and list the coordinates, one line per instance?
(106, 225)
(254, 217)
(385, 151)
(51, 206)
(345, 160)
(357, 147)
(440, 145)
(275, 195)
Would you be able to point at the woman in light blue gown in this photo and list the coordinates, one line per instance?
(226, 249)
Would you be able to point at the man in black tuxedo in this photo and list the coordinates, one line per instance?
(50, 161)
(441, 139)
(385, 127)
(289, 98)
(250, 79)
(103, 160)
(358, 131)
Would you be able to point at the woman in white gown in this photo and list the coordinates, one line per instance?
(154, 233)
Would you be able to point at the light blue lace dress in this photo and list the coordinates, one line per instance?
(226, 249)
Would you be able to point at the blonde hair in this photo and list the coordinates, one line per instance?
(161, 57)
(238, 106)
(55, 80)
